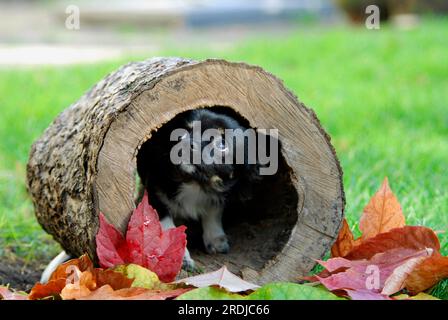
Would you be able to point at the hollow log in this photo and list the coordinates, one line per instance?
(86, 163)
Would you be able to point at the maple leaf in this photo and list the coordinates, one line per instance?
(382, 213)
(344, 243)
(222, 278)
(427, 274)
(146, 244)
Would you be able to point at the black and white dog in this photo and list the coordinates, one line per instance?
(198, 190)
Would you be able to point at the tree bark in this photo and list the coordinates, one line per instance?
(85, 163)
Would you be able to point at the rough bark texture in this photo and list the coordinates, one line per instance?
(85, 162)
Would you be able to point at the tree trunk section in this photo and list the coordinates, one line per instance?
(86, 163)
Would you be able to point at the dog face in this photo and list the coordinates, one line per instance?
(221, 175)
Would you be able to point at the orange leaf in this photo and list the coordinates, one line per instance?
(116, 280)
(79, 277)
(427, 274)
(83, 263)
(344, 243)
(382, 213)
(51, 289)
(106, 292)
(410, 237)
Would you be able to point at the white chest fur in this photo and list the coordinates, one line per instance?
(192, 202)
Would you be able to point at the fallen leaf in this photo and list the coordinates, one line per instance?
(397, 279)
(366, 295)
(106, 292)
(383, 213)
(210, 293)
(7, 294)
(291, 291)
(143, 278)
(146, 244)
(52, 289)
(344, 243)
(222, 278)
(271, 291)
(83, 284)
(83, 263)
(113, 278)
(70, 273)
(427, 274)
(111, 246)
(408, 237)
(366, 275)
(420, 296)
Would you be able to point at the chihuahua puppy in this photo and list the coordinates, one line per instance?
(198, 190)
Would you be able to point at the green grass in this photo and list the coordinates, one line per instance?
(381, 95)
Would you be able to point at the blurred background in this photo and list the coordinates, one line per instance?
(381, 94)
(35, 32)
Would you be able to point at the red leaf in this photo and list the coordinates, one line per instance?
(360, 273)
(110, 245)
(146, 244)
(410, 237)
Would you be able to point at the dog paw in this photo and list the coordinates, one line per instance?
(188, 263)
(217, 245)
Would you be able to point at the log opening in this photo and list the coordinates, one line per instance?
(257, 230)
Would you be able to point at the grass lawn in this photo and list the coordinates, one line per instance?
(381, 95)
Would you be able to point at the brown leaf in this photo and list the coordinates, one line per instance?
(222, 278)
(382, 213)
(344, 243)
(106, 292)
(79, 277)
(410, 237)
(51, 289)
(116, 280)
(60, 277)
(83, 263)
(397, 279)
(427, 274)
